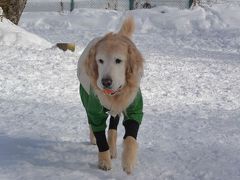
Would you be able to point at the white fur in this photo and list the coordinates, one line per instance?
(111, 69)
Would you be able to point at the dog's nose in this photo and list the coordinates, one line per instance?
(107, 82)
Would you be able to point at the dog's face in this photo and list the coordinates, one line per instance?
(111, 59)
(114, 62)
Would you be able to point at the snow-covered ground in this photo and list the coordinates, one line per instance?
(191, 89)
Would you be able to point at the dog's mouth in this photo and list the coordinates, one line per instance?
(111, 92)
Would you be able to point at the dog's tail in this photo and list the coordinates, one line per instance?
(127, 27)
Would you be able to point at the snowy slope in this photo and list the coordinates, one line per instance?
(191, 97)
(10, 35)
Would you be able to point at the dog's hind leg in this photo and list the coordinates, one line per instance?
(91, 136)
(112, 136)
(112, 141)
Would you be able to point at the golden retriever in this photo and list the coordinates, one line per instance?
(109, 70)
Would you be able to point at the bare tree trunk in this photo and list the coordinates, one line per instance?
(13, 9)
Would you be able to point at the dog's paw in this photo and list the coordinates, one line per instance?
(104, 160)
(112, 140)
(128, 168)
(129, 154)
(113, 152)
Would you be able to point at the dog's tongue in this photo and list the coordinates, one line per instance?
(108, 91)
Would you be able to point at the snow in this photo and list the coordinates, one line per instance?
(191, 95)
(11, 35)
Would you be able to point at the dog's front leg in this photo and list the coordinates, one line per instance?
(129, 155)
(104, 158)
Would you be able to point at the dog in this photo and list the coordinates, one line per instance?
(109, 71)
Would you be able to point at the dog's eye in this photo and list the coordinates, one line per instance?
(100, 61)
(118, 61)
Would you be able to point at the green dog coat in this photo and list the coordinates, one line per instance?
(97, 114)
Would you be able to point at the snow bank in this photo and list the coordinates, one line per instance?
(88, 23)
(187, 21)
(186, 25)
(158, 19)
(230, 15)
(12, 35)
(81, 18)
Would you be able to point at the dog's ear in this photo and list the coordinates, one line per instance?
(135, 63)
(127, 27)
(91, 64)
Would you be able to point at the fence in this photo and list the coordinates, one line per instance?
(211, 2)
(67, 5)
(137, 4)
(58, 5)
